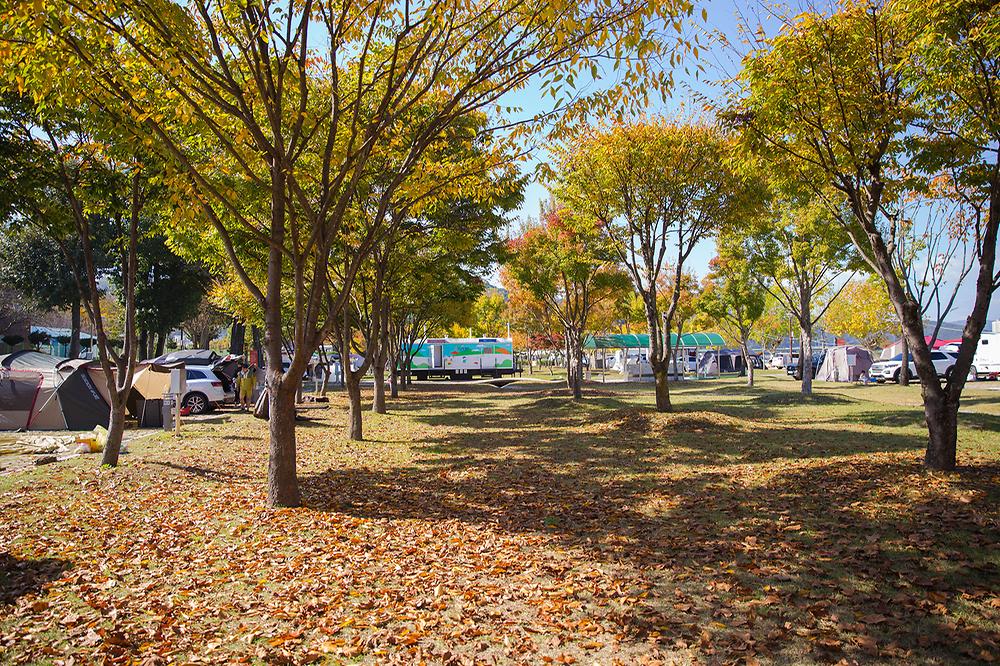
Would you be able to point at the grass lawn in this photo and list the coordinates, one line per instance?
(513, 526)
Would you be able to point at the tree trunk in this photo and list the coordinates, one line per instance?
(805, 358)
(116, 429)
(161, 342)
(74, 336)
(393, 376)
(941, 416)
(660, 372)
(569, 370)
(257, 344)
(745, 350)
(353, 384)
(575, 364)
(282, 482)
(237, 338)
(904, 370)
(378, 400)
(143, 343)
(345, 367)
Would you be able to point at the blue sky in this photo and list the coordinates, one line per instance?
(717, 62)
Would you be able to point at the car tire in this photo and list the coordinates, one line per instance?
(196, 402)
(895, 375)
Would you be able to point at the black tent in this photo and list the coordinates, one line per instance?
(40, 392)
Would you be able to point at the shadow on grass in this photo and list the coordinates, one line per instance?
(214, 475)
(804, 544)
(19, 577)
(769, 559)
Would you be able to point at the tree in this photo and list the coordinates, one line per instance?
(658, 189)
(292, 106)
(35, 267)
(203, 326)
(798, 254)
(529, 316)
(489, 315)
(566, 262)
(862, 311)
(68, 176)
(855, 104)
(15, 313)
(734, 299)
(685, 311)
(168, 290)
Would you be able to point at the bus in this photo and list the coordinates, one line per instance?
(460, 358)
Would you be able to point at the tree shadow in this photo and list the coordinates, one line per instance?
(214, 475)
(19, 577)
(773, 565)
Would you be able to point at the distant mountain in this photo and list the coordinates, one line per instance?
(494, 289)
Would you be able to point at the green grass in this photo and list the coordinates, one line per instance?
(514, 525)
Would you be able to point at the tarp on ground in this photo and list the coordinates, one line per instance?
(844, 364)
(641, 340)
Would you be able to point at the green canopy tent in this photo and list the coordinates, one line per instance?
(626, 341)
(641, 340)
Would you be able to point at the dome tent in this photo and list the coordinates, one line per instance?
(844, 364)
(38, 392)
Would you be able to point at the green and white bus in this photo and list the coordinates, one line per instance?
(457, 358)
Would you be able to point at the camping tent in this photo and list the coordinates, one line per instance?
(844, 364)
(713, 363)
(188, 356)
(38, 392)
(630, 356)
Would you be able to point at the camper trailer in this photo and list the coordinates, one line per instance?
(459, 358)
(986, 362)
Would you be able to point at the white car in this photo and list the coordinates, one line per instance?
(206, 390)
(888, 371)
(779, 361)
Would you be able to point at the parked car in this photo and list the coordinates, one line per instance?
(780, 360)
(206, 390)
(793, 367)
(757, 361)
(889, 370)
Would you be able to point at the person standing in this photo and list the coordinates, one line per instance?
(248, 383)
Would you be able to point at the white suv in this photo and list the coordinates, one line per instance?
(206, 389)
(888, 371)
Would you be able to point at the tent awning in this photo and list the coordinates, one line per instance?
(641, 340)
